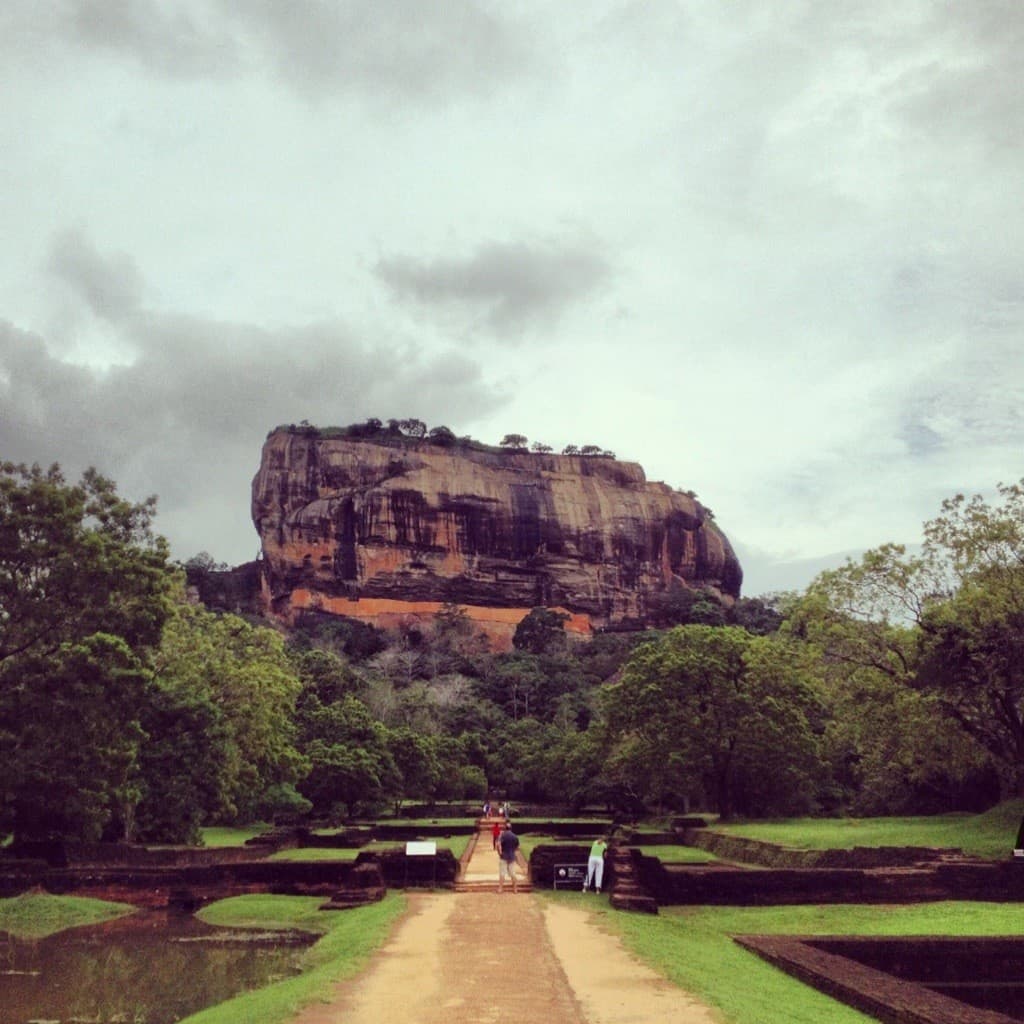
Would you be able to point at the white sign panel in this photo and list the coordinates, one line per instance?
(420, 849)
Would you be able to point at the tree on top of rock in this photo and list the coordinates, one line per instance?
(412, 427)
(514, 441)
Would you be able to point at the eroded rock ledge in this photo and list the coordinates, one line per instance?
(382, 530)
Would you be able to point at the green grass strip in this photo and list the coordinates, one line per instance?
(692, 947)
(219, 836)
(349, 938)
(677, 854)
(315, 853)
(36, 915)
(990, 835)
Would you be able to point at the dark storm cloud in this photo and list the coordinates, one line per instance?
(110, 285)
(512, 284)
(404, 48)
(169, 39)
(187, 417)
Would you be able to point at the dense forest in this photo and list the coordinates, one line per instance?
(892, 685)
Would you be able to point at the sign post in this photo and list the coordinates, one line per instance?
(422, 849)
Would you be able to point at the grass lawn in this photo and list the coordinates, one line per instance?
(691, 946)
(677, 854)
(991, 834)
(222, 835)
(36, 915)
(349, 938)
(315, 853)
(531, 840)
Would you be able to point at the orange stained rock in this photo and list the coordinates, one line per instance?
(498, 624)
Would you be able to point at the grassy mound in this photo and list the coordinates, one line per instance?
(36, 915)
(349, 938)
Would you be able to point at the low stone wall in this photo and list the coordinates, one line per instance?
(755, 851)
(684, 884)
(193, 885)
(932, 958)
(356, 837)
(563, 829)
(546, 856)
(64, 854)
(885, 996)
(187, 885)
(653, 839)
(402, 872)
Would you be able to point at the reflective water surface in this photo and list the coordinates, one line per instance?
(148, 968)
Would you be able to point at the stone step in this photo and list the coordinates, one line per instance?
(521, 887)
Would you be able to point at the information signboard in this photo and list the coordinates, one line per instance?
(570, 876)
(420, 849)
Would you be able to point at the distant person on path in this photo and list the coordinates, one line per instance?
(495, 834)
(595, 865)
(487, 808)
(508, 845)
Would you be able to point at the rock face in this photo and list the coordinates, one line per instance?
(384, 529)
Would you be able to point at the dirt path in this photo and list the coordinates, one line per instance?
(482, 866)
(485, 957)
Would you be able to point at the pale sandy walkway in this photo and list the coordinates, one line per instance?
(482, 865)
(482, 957)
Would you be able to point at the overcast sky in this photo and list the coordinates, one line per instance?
(770, 250)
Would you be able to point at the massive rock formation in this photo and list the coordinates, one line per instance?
(381, 529)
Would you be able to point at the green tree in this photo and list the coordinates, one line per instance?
(517, 684)
(513, 441)
(412, 427)
(180, 781)
(324, 675)
(947, 622)
(759, 615)
(76, 560)
(683, 606)
(70, 739)
(718, 711)
(85, 588)
(542, 631)
(350, 761)
(419, 766)
(442, 436)
(245, 674)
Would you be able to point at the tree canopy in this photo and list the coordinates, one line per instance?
(721, 713)
(85, 589)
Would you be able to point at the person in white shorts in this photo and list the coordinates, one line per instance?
(508, 844)
(595, 866)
